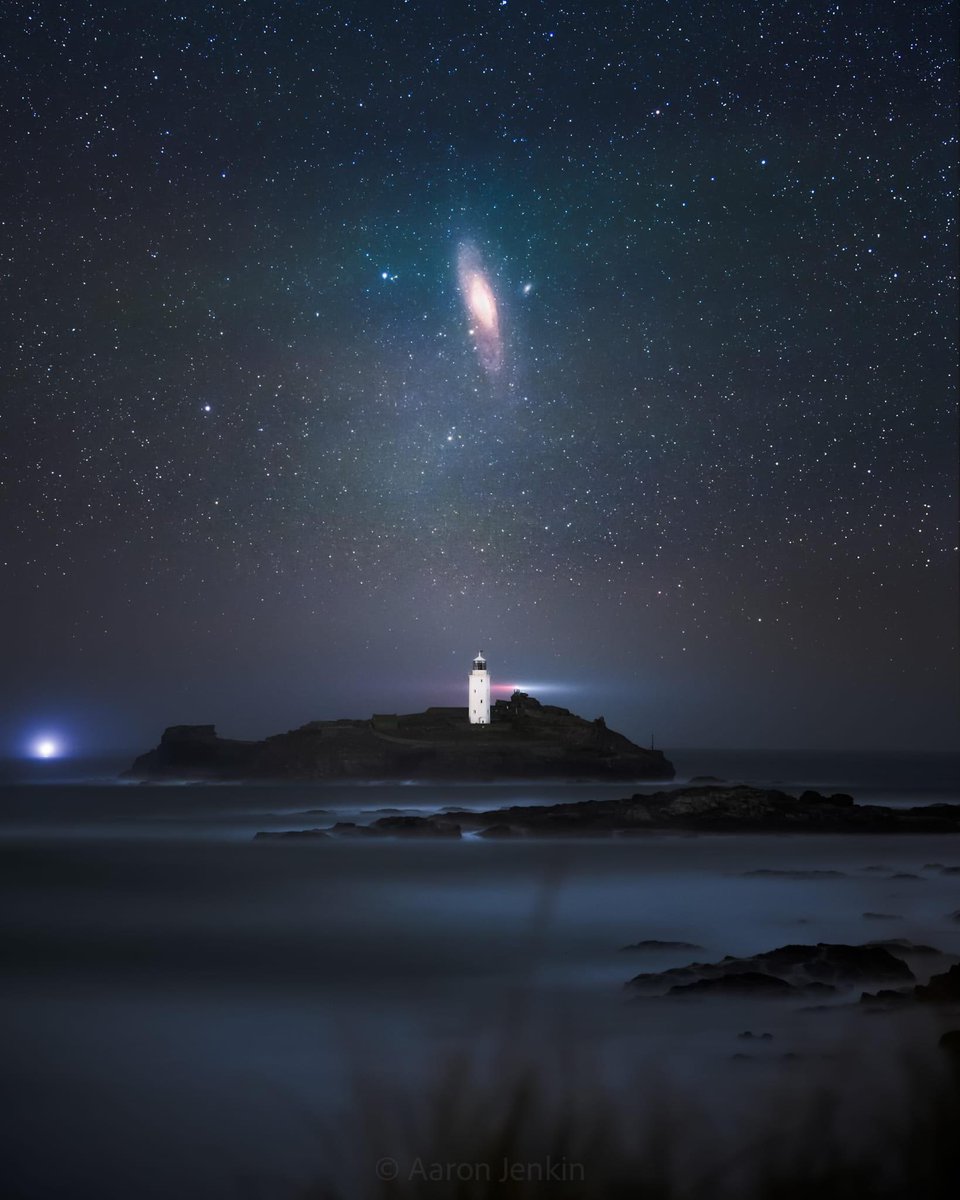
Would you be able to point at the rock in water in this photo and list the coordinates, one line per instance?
(797, 966)
(903, 948)
(950, 1041)
(419, 826)
(738, 983)
(524, 740)
(726, 809)
(499, 831)
(942, 989)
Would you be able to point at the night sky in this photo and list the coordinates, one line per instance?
(617, 340)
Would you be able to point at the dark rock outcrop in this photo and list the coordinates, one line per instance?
(711, 810)
(941, 989)
(524, 740)
(737, 808)
(418, 826)
(741, 983)
(797, 967)
(352, 829)
(888, 997)
(500, 831)
(950, 1041)
(904, 948)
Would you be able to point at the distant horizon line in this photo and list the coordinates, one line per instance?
(124, 752)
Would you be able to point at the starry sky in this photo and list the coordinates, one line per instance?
(259, 466)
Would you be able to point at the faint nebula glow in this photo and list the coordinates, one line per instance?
(481, 306)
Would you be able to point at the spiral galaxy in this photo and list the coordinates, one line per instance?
(481, 307)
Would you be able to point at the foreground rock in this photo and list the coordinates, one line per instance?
(431, 827)
(737, 808)
(524, 740)
(940, 989)
(740, 983)
(904, 948)
(787, 970)
(417, 827)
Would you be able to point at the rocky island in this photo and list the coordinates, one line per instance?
(524, 740)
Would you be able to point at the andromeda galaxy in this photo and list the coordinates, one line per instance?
(481, 306)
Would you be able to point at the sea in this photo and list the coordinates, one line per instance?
(187, 1011)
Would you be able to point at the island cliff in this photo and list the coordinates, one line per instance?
(524, 740)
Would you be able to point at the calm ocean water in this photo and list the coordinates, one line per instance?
(184, 1008)
(90, 797)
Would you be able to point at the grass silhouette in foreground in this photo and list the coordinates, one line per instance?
(528, 1135)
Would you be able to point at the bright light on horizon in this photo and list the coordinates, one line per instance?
(534, 689)
(46, 747)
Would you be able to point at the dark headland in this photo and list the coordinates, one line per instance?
(524, 740)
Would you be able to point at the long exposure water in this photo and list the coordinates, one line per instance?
(185, 1009)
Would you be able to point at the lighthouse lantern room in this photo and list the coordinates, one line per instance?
(479, 692)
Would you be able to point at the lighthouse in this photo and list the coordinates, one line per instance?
(479, 692)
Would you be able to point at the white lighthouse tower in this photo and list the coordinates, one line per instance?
(479, 691)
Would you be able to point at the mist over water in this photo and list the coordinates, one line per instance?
(185, 1008)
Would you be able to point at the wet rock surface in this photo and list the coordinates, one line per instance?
(418, 826)
(744, 983)
(941, 989)
(738, 809)
(720, 809)
(793, 968)
(904, 948)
